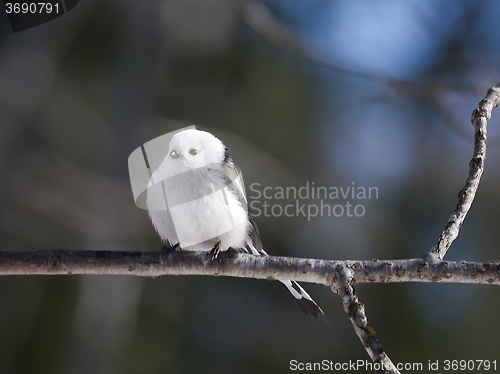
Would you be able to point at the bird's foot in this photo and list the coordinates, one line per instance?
(214, 252)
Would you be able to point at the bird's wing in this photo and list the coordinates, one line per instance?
(255, 237)
(233, 179)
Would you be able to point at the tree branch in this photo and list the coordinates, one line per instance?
(233, 264)
(341, 276)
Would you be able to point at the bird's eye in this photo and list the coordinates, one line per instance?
(174, 154)
(193, 151)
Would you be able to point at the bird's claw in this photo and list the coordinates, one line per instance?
(214, 252)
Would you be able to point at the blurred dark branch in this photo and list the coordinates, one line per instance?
(258, 16)
(480, 117)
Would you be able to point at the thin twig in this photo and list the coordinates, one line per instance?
(356, 312)
(480, 117)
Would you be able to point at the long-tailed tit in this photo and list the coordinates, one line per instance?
(196, 201)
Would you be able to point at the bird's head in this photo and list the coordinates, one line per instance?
(192, 149)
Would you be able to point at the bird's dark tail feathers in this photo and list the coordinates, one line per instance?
(304, 301)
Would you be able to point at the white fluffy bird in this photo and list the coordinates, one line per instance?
(196, 201)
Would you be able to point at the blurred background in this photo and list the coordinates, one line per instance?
(339, 93)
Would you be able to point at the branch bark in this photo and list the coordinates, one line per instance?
(233, 264)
